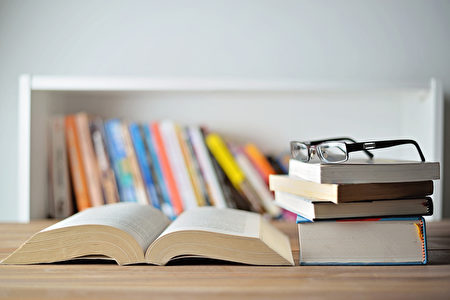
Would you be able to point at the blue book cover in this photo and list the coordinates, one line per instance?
(144, 165)
(166, 205)
(116, 149)
(420, 230)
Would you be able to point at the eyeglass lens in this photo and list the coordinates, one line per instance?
(332, 152)
(299, 151)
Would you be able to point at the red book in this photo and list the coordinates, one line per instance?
(166, 170)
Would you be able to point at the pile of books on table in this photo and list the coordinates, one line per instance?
(359, 212)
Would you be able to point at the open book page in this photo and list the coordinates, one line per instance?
(211, 219)
(145, 223)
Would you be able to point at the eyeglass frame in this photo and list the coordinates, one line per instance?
(351, 147)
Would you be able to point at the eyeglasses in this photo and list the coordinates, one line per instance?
(335, 150)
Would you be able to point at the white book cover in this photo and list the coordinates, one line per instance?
(206, 166)
(258, 184)
(177, 164)
(61, 198)
(365, 171)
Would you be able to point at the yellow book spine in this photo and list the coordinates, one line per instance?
(225, 159)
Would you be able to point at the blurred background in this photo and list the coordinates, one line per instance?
(353, 41)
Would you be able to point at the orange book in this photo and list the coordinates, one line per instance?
(76, 165)
(259, 161)
(89, 160)
(169, 178)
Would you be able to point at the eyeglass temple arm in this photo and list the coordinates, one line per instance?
(383, 144)
(317, 142)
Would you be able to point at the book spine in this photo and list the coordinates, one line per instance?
(201, 179)
(166, 205)
(206, 167)
(76, 165)
(88, 159)
(178, 164)
(107, 177)
(121, 166)
(141, 195)
(232, 170)
(259, 161)
(190, 164)
(258, 184)
(144, 165)
(175, 197)
(59, 173)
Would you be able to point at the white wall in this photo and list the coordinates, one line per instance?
(398, 41)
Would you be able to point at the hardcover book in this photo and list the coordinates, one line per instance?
(341, 193)
(365, 171)
(374, 241)
(60, 196)
(130, 233)
(379, 208)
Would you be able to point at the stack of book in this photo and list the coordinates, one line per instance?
(171, 167)
(359, 212)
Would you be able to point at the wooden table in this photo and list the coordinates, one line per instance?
(109, 281)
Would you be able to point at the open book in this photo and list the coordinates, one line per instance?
(131, 233)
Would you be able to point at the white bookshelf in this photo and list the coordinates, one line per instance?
(269, 113)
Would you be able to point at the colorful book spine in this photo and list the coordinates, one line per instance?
(60, 195)
(175, 197)
(259, 161)
(207, 169)
(166, 205)
(139, 186)
(258, 184)
(190, 164)
(89, 160)
(144, 164)
(198, 171)
(120, 163)
(76, 165)
(107, 177)
(229, 165)
(178, 164)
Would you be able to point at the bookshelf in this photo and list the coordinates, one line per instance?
(269, 113)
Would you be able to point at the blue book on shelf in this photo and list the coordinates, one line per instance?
(363, 241)
(144, 165)
(119, 160)
(166, 205)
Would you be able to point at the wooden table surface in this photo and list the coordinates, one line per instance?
(110, 281)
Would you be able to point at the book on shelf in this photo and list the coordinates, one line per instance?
(214, 190)
(76, 165)
(161, 186)
(167, 172)
(107, 178)
(130, 233)
(144, 165)
(177, 164)
(120, 160)
(88, 159)
(378, 208)
(365, 171)
(139, 187)
(262, 165)
(234, 173)
(374, 241)
(258, 184)
(341, 193)
(193, 171)
(60, 195)
(159, 163)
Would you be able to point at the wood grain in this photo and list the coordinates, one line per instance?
(223, 281)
